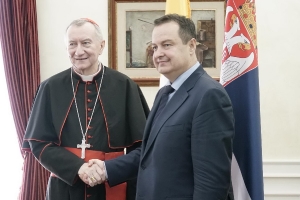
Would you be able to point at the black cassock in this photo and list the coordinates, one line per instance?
(117, 123)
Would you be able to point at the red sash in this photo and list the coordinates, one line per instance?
(117, 192)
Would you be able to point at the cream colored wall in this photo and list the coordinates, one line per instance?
(279, 69)
(53, 18)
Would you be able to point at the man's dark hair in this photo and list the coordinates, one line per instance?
(187, 29)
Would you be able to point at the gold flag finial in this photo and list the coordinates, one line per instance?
(180, 7)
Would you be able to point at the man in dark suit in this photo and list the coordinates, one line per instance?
(187, 145)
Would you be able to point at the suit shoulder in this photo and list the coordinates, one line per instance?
(208, 82)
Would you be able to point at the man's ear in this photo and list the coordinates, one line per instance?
(192, 44)
(102, 44)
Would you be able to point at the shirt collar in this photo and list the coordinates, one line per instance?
(180, 79)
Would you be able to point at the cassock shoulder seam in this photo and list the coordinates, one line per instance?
(37, 140)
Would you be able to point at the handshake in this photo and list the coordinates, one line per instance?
(93, 172)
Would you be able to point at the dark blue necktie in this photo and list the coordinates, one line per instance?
(164, 99)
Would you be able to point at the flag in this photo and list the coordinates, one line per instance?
(180, 7)
(239, 76)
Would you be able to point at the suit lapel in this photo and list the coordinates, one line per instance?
(170, 108)
(180, 96)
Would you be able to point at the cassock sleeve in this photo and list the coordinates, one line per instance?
(125, 168)
(44, 140)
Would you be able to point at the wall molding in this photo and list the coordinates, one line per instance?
(281, 179)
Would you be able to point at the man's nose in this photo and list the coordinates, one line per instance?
(158, 53)
(79, 50)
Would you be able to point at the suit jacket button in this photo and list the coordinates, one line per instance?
(143, 166)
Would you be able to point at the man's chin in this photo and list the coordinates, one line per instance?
(162, 69)
(81, 66)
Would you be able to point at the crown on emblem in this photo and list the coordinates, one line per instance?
(247, 14)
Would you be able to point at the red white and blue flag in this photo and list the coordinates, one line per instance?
(239, 76)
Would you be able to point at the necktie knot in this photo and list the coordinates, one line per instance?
(168, 89)
(164, 99)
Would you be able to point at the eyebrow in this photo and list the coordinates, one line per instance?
(164, 41)
(87, 39)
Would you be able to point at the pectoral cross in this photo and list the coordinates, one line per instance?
(83, 146)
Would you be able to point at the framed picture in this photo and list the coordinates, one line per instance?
(130, 29)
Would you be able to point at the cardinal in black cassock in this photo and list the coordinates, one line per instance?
(54, 131)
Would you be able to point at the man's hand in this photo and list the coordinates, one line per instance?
(100, 164)
(91, 174)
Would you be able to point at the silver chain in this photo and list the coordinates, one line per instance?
(84, 134)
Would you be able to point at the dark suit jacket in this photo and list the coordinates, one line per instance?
(186, 153)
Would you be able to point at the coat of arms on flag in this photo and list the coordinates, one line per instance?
(240, 48)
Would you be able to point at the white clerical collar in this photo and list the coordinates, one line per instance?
(89, 77)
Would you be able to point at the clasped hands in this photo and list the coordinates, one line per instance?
(93, 172)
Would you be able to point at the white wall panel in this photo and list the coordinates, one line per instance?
(282, 180)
